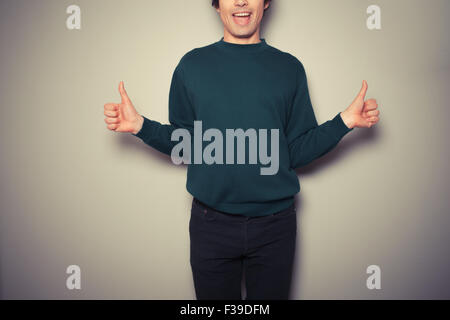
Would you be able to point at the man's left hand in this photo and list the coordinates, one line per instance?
(361, 114)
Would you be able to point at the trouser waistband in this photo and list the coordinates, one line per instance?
(198, 202)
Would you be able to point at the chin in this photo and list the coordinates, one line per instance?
(243, 34)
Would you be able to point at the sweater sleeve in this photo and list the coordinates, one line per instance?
(307, 140)
(181, 115)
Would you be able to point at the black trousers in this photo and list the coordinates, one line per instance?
(224, 245)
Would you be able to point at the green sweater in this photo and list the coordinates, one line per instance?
(230, 86)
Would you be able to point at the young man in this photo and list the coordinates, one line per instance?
(242, 220)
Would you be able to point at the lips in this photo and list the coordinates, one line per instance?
(242, 18)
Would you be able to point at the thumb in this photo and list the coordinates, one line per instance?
(362, 92)
(123, 93)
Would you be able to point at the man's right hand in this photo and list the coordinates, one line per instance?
(123, 117)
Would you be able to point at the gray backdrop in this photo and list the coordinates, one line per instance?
(73, 192)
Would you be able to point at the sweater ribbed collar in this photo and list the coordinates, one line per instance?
(242, 48)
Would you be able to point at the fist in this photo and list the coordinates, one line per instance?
(122, 117)
(362, 113)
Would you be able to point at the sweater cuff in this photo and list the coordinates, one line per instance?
(341, 127)
(145, 130)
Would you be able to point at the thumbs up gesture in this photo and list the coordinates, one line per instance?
(123, 117)
(361, 114)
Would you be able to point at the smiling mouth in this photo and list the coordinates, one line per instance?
(241, 18)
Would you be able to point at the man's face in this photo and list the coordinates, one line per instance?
(242, 25)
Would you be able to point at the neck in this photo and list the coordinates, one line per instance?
(254, 38)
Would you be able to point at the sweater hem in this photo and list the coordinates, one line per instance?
(341, 127)
(250, 209)
(145, 130)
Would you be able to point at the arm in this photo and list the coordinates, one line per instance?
(307, 140)
(181, 115)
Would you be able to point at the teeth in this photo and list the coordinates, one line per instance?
(242, 14)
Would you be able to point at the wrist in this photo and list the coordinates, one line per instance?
(347, 119)
(139, 124)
